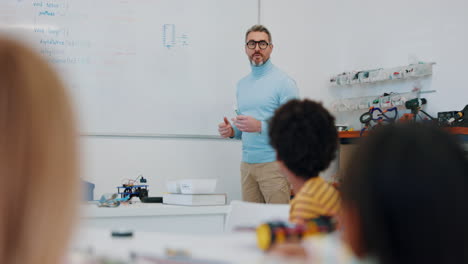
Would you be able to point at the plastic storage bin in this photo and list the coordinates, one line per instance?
(88, 191)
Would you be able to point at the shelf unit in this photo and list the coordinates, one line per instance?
(420, 69)
(380, 101)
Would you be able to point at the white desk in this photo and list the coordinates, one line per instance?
(157, 218)
(227, 248)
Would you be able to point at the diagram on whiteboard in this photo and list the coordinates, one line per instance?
(170, 39)
(136, 67)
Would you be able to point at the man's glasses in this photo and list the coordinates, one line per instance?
(261, 44)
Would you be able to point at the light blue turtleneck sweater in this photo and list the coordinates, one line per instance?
(259, 94)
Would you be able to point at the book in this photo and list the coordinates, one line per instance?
(194, 199)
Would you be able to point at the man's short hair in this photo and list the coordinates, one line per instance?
(304, 135)
(258, 28)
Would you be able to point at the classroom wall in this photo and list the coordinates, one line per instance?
(313, 40)
(107, 161)
(317, 39)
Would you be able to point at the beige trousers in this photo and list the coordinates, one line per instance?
(264, 183)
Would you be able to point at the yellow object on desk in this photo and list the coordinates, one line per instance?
(272, 233)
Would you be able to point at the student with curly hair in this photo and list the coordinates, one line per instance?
(304, 136)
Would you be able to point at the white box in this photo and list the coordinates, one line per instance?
(197, 186)
(173, 186)
(194, 199)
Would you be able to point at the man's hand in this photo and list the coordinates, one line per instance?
(247, 124)
(225, 129)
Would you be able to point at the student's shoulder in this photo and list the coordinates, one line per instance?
(312, 184)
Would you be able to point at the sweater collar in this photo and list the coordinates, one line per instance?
(259, 71)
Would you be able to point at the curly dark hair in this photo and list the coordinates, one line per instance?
(303, 133)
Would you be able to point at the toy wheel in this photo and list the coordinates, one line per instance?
(143, 193)
(127, 192)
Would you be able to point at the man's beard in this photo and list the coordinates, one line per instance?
(256, 64)
(252, 61)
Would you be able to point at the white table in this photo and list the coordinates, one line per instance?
(157, 218)
(225, 248)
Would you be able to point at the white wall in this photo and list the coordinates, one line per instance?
(317, 39)
(107, 161)
(313, 40)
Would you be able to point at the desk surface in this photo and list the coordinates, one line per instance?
(225, 248)
(150, 209)
(356, 134)
(157, 218)
(347, 137)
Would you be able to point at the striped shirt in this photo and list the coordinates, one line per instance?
(316, 198)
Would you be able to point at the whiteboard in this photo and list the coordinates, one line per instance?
(141, 66)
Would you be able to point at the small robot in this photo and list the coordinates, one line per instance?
(132, 189)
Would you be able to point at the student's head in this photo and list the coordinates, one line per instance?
(38, 168)
(258, 44)
(303, 133)
(405, 197)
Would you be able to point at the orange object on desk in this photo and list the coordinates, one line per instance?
(406, 118)
(355, 134)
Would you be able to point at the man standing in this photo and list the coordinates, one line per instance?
(259, 94)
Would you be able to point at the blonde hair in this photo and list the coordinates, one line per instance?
(38, 159)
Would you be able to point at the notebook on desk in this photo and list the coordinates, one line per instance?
(194, 199)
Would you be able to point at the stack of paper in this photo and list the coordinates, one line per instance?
(194, 199)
